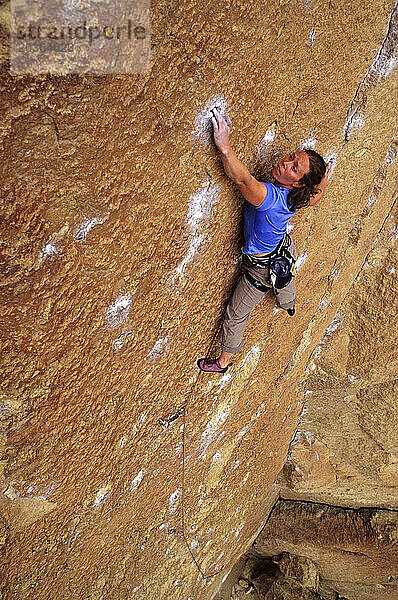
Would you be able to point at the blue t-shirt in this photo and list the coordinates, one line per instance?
(265, 225)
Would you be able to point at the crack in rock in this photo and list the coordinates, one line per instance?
(382, 65)
(377, 189)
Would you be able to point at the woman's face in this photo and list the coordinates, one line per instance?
(291, 169)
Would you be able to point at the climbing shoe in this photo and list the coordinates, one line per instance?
(211, 365)
(291, 311)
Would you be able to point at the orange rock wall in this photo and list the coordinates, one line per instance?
(353, 552)
(119, 236)
(345, 450)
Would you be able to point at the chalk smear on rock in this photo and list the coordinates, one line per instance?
(203, 126)
(200, 206)
(118, 312)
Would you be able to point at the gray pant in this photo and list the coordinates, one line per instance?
(245, 298)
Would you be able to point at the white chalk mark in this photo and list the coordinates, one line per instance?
(49, 249)
(203, 125)
(85, 226)
(384, 62)
(393, 233)
(300, 261)
(246, 477)
(334, 274)
(213, 426)
(335, 324)
(243, 431)
(173, 499)
(225, 576)
(40, 491)
(102, 495)
(386, 59)
(262, 147)
(354, 123)
(159, 348)
(225, 379)
(323, 303)
(121, 340)
(122, 441)
(312, 36)
(309, 142)
(199, 210)
(137, 480)
(119, 311)
(331, 159)
(216, 458)
(252, 357)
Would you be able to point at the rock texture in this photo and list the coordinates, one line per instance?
(310, 551)
(125, 474)
(333, 552)
(345, 449)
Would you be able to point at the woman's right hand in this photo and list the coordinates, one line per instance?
(221, 130)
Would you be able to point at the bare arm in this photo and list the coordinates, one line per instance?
(254, 191)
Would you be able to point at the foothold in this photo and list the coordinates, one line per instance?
(119, 311)
(85, 226)
(121, 340)
(159, 348)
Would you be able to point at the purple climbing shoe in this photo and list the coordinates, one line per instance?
(211, 365)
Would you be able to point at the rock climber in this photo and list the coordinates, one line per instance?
(299, 180)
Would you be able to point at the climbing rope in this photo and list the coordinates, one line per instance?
(183, 411)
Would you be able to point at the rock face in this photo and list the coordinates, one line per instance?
(333, 551)
(125, 473)
(345, 451)
(310, 551)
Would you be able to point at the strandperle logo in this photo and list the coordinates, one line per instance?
(81, 32)
(80, 36)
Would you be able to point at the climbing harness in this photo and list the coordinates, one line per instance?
(279, 262)
(263, 261)
(257, 284)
